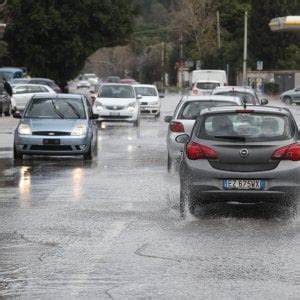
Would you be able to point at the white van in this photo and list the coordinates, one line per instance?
(208, 75)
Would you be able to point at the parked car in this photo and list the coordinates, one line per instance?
(11, 73)
(246, 94)
(239, 154)
(45, 81)
(204, 87)
(22, 93)
(149, 99)
(83, 84)
(117, 103)
(16, 81)
(58, 124)
(113, 79)
(186, 112)
(291, 96)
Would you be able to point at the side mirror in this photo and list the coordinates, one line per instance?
(264, 101)
(139, 97)
(17, 115)
(182, 138)
(94, 116)
(168, 119)
(161, 96)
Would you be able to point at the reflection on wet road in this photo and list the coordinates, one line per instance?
(111, 228)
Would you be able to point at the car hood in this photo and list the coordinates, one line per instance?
(53, 124)
(115, 101)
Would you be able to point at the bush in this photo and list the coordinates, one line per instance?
(271, 88)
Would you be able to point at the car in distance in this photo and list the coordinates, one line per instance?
(204, 87)
(149, 99)
(46, 81)
(11, 72)
(57, 124)
(22, 93)
(246, 94)
(291, 96)
(186, 112)
(117, 103)
(91, 78)
(239, 154)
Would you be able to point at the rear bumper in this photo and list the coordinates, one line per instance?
(150, 110)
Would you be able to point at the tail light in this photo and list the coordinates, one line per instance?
(176, 127)
(196, 151)
(290, 152)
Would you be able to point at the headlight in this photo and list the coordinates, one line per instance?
(79, 130)
(131, 105)
(154, 103)
(99, 105)
(24, 129)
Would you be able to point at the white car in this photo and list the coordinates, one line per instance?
(204, 87)
(117, 102)
(149, 99)
(91, 77)
(83, 84)
(22, 93)
(183, 119)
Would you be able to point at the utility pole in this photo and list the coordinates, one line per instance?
(245, 50)
(181, 60)
(163, 48)
(218, 30)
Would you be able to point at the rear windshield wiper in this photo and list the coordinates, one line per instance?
(60, 114)
(231, 137)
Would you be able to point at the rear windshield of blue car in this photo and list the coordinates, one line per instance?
(254, 127)
(55, 108)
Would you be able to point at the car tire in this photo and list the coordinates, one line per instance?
(8, 113)
(288, 100)
(89, 154)
(169, 164)
(157, 115)
(17, 155)
(136, 123)
(187, 199)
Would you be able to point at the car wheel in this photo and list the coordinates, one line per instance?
(288, 100)
(157, 115)
(136, 123)
(89, 154)
(8, 113)
(187, 199)
(169, 163)
(17, 155)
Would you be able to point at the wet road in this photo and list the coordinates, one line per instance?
(111, 229)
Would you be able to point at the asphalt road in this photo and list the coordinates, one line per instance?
(111, 229)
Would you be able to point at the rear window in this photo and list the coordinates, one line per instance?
(207, 85)
(244, 96)
(116, 91)
(56, 108)
(246, 126)
(191, 110)
(145, 91)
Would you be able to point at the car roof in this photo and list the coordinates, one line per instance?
(45, 79)
(207, 80)
(144, 85)
(211, 98)
(115, 84)
(234, 88)
(11, 69)
(61, 96)
(257, 108)
(29, 84)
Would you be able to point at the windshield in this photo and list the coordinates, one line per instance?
(192, 109)
(207, 85)
(244, 96)
(145, 91)
(55, 108)
(6, 74)
(116, 91)
(246, 126)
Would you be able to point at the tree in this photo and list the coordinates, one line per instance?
(53, 38)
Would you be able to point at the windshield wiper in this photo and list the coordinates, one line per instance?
(231, 137)
(60, 114)
(74, 110)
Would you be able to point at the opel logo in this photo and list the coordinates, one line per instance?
(244, 153)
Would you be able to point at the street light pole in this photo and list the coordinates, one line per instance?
(245, 50)
(218, 30)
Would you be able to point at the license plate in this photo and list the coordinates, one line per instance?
(243, 184)
(51, 141)
(114, 114)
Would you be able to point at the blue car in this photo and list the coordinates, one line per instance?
(56, 124)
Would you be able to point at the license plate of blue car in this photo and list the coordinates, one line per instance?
(244, 184)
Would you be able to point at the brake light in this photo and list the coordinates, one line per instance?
(196, 151)
(290, 152)
(176, 127)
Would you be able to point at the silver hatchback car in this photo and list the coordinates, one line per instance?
(186, 112)
(57, 124)
(243, 155)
